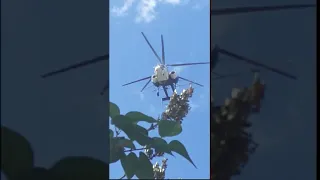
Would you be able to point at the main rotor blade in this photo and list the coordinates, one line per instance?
(137, 81)
(155, 53)
(227, 76)
(239, 10)
(146, 85)
(163, 56)
(104, 88)
(217, 74)
(190, 81)
(238, 57)
(187, 64)
(75, 66)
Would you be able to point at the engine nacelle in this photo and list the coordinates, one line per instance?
(173, 75)
(154, 79)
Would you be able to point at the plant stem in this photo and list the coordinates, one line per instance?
(152, 127)
(134, 150)
(123, 176)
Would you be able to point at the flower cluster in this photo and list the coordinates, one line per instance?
(178, 106)
(160, 170)
(231, 143)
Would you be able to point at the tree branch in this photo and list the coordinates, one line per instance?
(152, 127)
(123, 176)
(134, 149)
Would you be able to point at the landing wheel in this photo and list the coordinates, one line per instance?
(157, 93)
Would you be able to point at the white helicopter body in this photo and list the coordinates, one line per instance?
(162, 76)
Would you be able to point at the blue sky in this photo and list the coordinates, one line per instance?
(71, 102)
(185, 27)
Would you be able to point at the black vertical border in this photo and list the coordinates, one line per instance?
(107, 94)
(211, 69)
(317, 86)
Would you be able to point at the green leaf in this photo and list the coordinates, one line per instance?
(141, 129)
(129, 164)
(216, 150)
(80, 168)
(38, 173)
(160, 145)
(178, 147)
(145, 169)
(138, 133)
(121, 122)
(138, 116)
(122, 142)
(113, 110)
(169, 128)
(116, 155)
(111, 133)
(16, 153)
(116, 151)
(133, 131)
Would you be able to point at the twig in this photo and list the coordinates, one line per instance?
(123, 176)
(117, 131)
(134, 149)
(152, 127)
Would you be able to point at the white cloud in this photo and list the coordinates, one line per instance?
(121, 11)
(174, 2)
(146, 9)
(197, 7)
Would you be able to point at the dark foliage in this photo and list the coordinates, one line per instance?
(231, 144)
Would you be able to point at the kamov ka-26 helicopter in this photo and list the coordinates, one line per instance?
(162, 77)
(216, 50)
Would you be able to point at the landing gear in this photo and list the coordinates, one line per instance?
(158, 92)
(172, 87)
(166, 99)
(166, 93)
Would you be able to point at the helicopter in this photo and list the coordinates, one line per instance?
(216, 51)
(162, 77)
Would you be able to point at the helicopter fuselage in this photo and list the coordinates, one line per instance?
(167, 82)
(162, 77)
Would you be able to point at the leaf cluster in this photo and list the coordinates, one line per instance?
(121, 148)
(17, 162)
